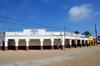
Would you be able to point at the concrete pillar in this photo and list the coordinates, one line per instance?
(90, 43)
(52, 44)
(27, 44)
(70, 43)
(1, 45)
(63, 41)
(80, 43)
(41, 43)
(75, 43)
(62, 44)
(16, 44)
(6, 44)
(93, 42)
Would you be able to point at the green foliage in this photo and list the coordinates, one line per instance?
(86, 33)
(76, 32)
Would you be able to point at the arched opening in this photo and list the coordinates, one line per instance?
(57, 41)
(67, 43)
(34, 44)
(73, 43)
(86, 43)
(82, 42)
(3, 45)
(22, 44)
(47, 44)
(11, 44)
(78, 43)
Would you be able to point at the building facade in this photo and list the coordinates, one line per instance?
(40, 39)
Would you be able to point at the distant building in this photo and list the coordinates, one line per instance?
(98, 39)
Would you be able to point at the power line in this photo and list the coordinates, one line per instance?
(96, 33)
(23, 24)
(3, 27)
(32, 23)
(29, 22)
(15, 23)
(70, 30)
(27, 25)
(75, 30)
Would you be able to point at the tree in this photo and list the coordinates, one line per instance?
(76, 32)
(87, 33)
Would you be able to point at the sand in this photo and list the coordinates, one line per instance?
(88, 59)
(87, 56)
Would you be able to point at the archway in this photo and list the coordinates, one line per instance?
(34, 44)
(22, 44)
(11, 44)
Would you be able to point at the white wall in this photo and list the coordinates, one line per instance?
(27, 32)
(1, 39)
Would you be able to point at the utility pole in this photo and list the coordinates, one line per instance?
(96, 33)
(64, 35)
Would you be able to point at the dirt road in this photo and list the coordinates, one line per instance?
(68, 57)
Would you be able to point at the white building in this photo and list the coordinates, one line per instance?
(39, 39)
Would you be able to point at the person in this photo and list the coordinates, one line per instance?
(57, 46)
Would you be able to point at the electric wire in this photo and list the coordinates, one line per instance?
(29, 22)
(15, 23)
(33, 24)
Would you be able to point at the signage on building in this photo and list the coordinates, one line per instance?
(34, 31)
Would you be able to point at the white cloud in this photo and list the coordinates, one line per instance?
(82, 12)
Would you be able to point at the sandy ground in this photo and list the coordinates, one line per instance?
(91, 58)
(85, 56)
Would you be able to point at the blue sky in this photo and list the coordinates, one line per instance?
(80, 15)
